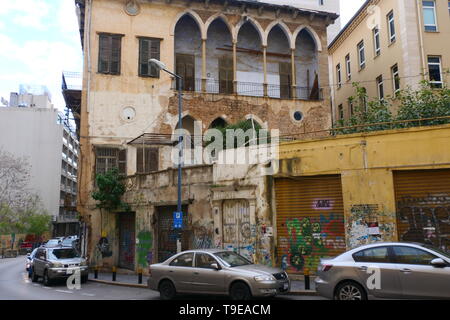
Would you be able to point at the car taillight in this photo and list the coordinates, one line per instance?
(326, 267)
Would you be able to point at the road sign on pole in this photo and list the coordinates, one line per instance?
(178, 220)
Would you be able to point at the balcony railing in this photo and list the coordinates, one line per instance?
(251, 89)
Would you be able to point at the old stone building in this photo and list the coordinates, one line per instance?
(239, 60)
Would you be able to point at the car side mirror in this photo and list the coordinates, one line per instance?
(215, 266)
(438, 263)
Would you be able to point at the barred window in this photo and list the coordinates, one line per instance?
(110, 158)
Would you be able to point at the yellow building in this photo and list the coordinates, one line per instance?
(389, 45)
(334, 194)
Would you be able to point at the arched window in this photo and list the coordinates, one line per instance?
(306, 60)
(279, 66)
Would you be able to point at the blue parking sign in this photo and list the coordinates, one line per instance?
(178, 220)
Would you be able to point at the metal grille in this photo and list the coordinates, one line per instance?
(310, 221)
(127, 236)
(423, 206)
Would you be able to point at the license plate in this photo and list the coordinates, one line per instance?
(285, 286)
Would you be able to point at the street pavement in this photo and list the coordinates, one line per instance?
(15, 285)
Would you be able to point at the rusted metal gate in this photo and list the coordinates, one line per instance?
(237, 227)
(127, 239)
(423, 206)
(167, 235)
(310, 221)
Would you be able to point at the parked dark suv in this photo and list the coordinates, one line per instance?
(58, 263)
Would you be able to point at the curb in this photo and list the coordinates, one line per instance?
(122, 284)
(134, 285)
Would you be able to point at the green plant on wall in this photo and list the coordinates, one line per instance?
(109, 191)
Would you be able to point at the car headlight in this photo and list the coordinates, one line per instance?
(83, 263)
(57, 265)
(264, 278)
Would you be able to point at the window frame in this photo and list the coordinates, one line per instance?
(141, 154)
(376, 41)
(157, 73)
(392, 35)
(341, 112)
(361, 49)
(348, 67)
(389, 254)
(339, 75)
(380, 84)
(121, 152)
(395, 76)
(394, 255)
(434, 15)
(110, 37)
(184, 254)
(207, 254)
(440, 83)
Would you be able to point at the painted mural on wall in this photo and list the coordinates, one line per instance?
(367, 224)
(144, 248)
(202, 235)
(310, 239)
(425, 219)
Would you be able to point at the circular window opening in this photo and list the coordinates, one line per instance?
(298, 116)
(128, 113)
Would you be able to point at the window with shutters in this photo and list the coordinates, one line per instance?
(109, 53)
(149, 48)
(185, 67)
(110, 158)
(147, 160)
(226, 75)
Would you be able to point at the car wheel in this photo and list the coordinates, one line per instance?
(350, 290)
(167, 290)
(240, 291)
(34, 277)
(47, 280)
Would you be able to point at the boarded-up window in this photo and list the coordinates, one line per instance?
(110, 158)
(109, 53)
(226, 75)
(285, 80)
(186, 69)
(147, 160)
(149, 48)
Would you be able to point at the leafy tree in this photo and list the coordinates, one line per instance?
(110, 191)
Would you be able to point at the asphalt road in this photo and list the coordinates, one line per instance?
(15, 285)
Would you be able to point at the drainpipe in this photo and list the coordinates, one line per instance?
(422, 51)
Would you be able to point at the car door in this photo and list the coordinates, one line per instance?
(419, 279)
(180, 270)
(377, 262)
(206, 279)
(39, 262)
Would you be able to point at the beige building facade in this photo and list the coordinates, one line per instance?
(240, 60)
(390, 45)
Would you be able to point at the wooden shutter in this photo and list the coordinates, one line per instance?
(226, 75)
(123, 162)
(104, 54)
(186, 69)
(148, 49)
(423, 206)
(310, 221)
(115, 54)
(285, 80)
(151, 161)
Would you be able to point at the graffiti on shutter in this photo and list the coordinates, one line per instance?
(237, 228)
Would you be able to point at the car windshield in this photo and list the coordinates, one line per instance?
(232, 259)
(52, 242)
(445, 254)
(67, 253)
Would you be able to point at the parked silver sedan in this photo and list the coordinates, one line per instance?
(216, 272)
(386, 271)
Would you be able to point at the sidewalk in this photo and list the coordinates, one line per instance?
(297, 286)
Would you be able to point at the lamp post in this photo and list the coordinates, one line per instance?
(161, 66)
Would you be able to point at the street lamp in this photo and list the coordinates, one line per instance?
(161, 66)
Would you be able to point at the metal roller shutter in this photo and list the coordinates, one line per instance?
(423, 206)
(310, 221)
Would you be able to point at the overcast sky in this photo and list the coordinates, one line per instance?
(39, 39)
